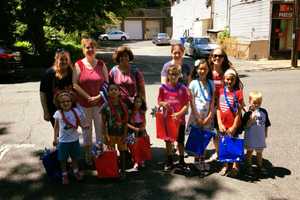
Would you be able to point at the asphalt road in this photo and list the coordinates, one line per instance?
(24, 134)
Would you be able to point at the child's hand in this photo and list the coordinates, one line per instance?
(230, 131)
(175, 115)
(222, 128)
(55, 142)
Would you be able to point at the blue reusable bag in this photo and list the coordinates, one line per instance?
(52, 164)
(231, 149)
(197, 141)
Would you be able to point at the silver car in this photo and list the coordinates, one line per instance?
(161, 38)
(199, 47)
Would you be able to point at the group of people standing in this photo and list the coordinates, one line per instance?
(115, 102)
(87, 95)
(214, 92)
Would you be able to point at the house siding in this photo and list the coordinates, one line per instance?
(250, 21)
(219, 14)
(185, 14)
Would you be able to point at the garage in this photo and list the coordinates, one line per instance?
(134, 29)
(152, 27)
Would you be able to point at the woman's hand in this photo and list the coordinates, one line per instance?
(47, 116)
(55, 142)
(94, 100)
(164, 104)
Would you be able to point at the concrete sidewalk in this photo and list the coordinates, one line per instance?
(262, 64)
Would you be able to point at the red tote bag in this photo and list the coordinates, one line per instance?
(107, 165)
(166, 126)
(141, 150)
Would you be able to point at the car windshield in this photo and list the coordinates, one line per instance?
(201, 40)
(161, 35)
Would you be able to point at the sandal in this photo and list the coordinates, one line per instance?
(223, 171)
(233, 173)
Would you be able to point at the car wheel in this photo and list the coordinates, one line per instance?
(105, 38)
(123, 38)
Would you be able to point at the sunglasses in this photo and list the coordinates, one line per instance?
(90, 48)
(218, 55)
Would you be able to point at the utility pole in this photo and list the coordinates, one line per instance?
(294, 56)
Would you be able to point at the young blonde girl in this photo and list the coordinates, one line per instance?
(137, 121)
(66, 137)
(174, 97)
(202, 101)
(229, 111)
(256, 122)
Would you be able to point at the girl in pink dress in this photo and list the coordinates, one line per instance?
(174, 97)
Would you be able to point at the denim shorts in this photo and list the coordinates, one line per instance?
(66, 149)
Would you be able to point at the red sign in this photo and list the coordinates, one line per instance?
(283, 11)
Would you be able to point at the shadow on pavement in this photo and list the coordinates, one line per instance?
(150, 183)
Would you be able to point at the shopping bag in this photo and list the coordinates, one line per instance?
(52, 164)
(107, 164)
(231, 149)
(166, 126)
(141, 150)
(198, 140)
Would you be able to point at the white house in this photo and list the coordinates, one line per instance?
(190, 18)
(262, 28)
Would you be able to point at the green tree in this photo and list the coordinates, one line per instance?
(67, 15)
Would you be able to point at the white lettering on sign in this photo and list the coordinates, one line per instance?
(285, 14)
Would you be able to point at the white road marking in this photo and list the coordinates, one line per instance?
(4, 148)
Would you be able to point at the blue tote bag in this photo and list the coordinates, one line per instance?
(197, 141)
(231, 149)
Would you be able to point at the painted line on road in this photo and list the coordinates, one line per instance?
(7, 147)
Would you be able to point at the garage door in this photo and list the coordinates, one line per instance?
(134, 29)
(152, 27)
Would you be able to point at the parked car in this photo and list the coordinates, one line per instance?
(161, 38)
(10, 62)
(199, 47)
(114, 35)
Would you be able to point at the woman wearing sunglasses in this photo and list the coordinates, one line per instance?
(89, 76)
(219, 63)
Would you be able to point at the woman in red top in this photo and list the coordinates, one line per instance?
(219, 63)
(89, 76)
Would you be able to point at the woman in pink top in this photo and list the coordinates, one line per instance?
(219, 63)
(127, 76)
(89, 76)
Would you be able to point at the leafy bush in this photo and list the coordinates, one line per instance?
(223, 35)
(23, 45)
